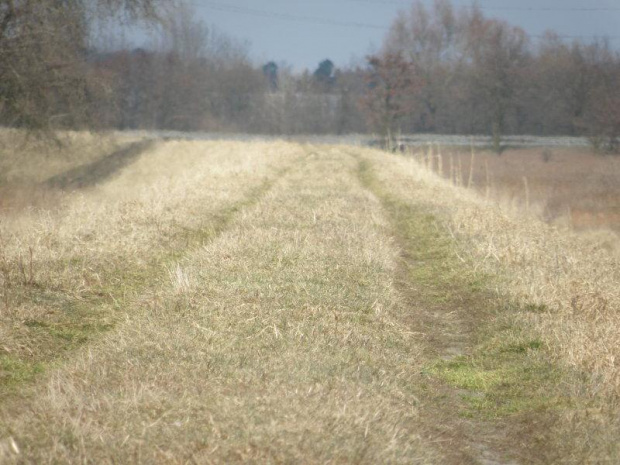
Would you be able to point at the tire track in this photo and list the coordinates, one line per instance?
(87, 317)
(443, 309)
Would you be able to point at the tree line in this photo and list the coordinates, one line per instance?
(440, 70)
(46, 78)
(478, 75)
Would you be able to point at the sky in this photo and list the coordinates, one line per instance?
(303, 33)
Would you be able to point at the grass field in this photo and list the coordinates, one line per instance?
(567, 186)
(228, 302)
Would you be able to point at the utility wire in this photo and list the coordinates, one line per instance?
(330, 22)
(501, 8)
(285, 16)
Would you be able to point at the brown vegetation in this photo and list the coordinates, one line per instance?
(392, 85)
(473, 75)
(232, 302)
(565, 287)
(46, 80)
(33, 169)
(565, 186)
(484, 76)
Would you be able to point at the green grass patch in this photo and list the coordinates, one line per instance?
(500, 379)
(14, 371)
(429, 253)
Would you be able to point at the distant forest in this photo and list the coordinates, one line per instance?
(440, 70)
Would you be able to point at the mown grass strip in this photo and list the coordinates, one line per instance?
(495, 368)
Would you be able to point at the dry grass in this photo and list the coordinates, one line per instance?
(27, 161)
(225, 302)
(568, 287)
(571, 187)
(66, 272)
(274, 342)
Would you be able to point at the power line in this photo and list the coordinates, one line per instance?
(572, 37)
(501, 8)
(330, 22)
(286, 16)
(549, 9)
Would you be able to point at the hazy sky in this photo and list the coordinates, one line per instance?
(302, 33)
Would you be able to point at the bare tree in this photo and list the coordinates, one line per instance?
(190, 78)
(44, 50)
(601, 117)
(431, 39)
(499, 54)
(391, 91)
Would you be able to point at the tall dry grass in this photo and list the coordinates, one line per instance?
(564, 186)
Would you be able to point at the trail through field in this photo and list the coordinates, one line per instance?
(298, 311)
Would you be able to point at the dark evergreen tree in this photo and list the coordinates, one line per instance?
(270, 70)
(325, 73)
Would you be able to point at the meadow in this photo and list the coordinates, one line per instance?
(274, 302)
(572, 187)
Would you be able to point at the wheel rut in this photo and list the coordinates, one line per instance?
(96, 312)
(447, 312)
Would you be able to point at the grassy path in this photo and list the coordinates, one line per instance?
(317, 318)
(486, 380)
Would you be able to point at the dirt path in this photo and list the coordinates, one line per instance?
(327, 321)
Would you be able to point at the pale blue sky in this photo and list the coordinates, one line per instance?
(302, 33)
